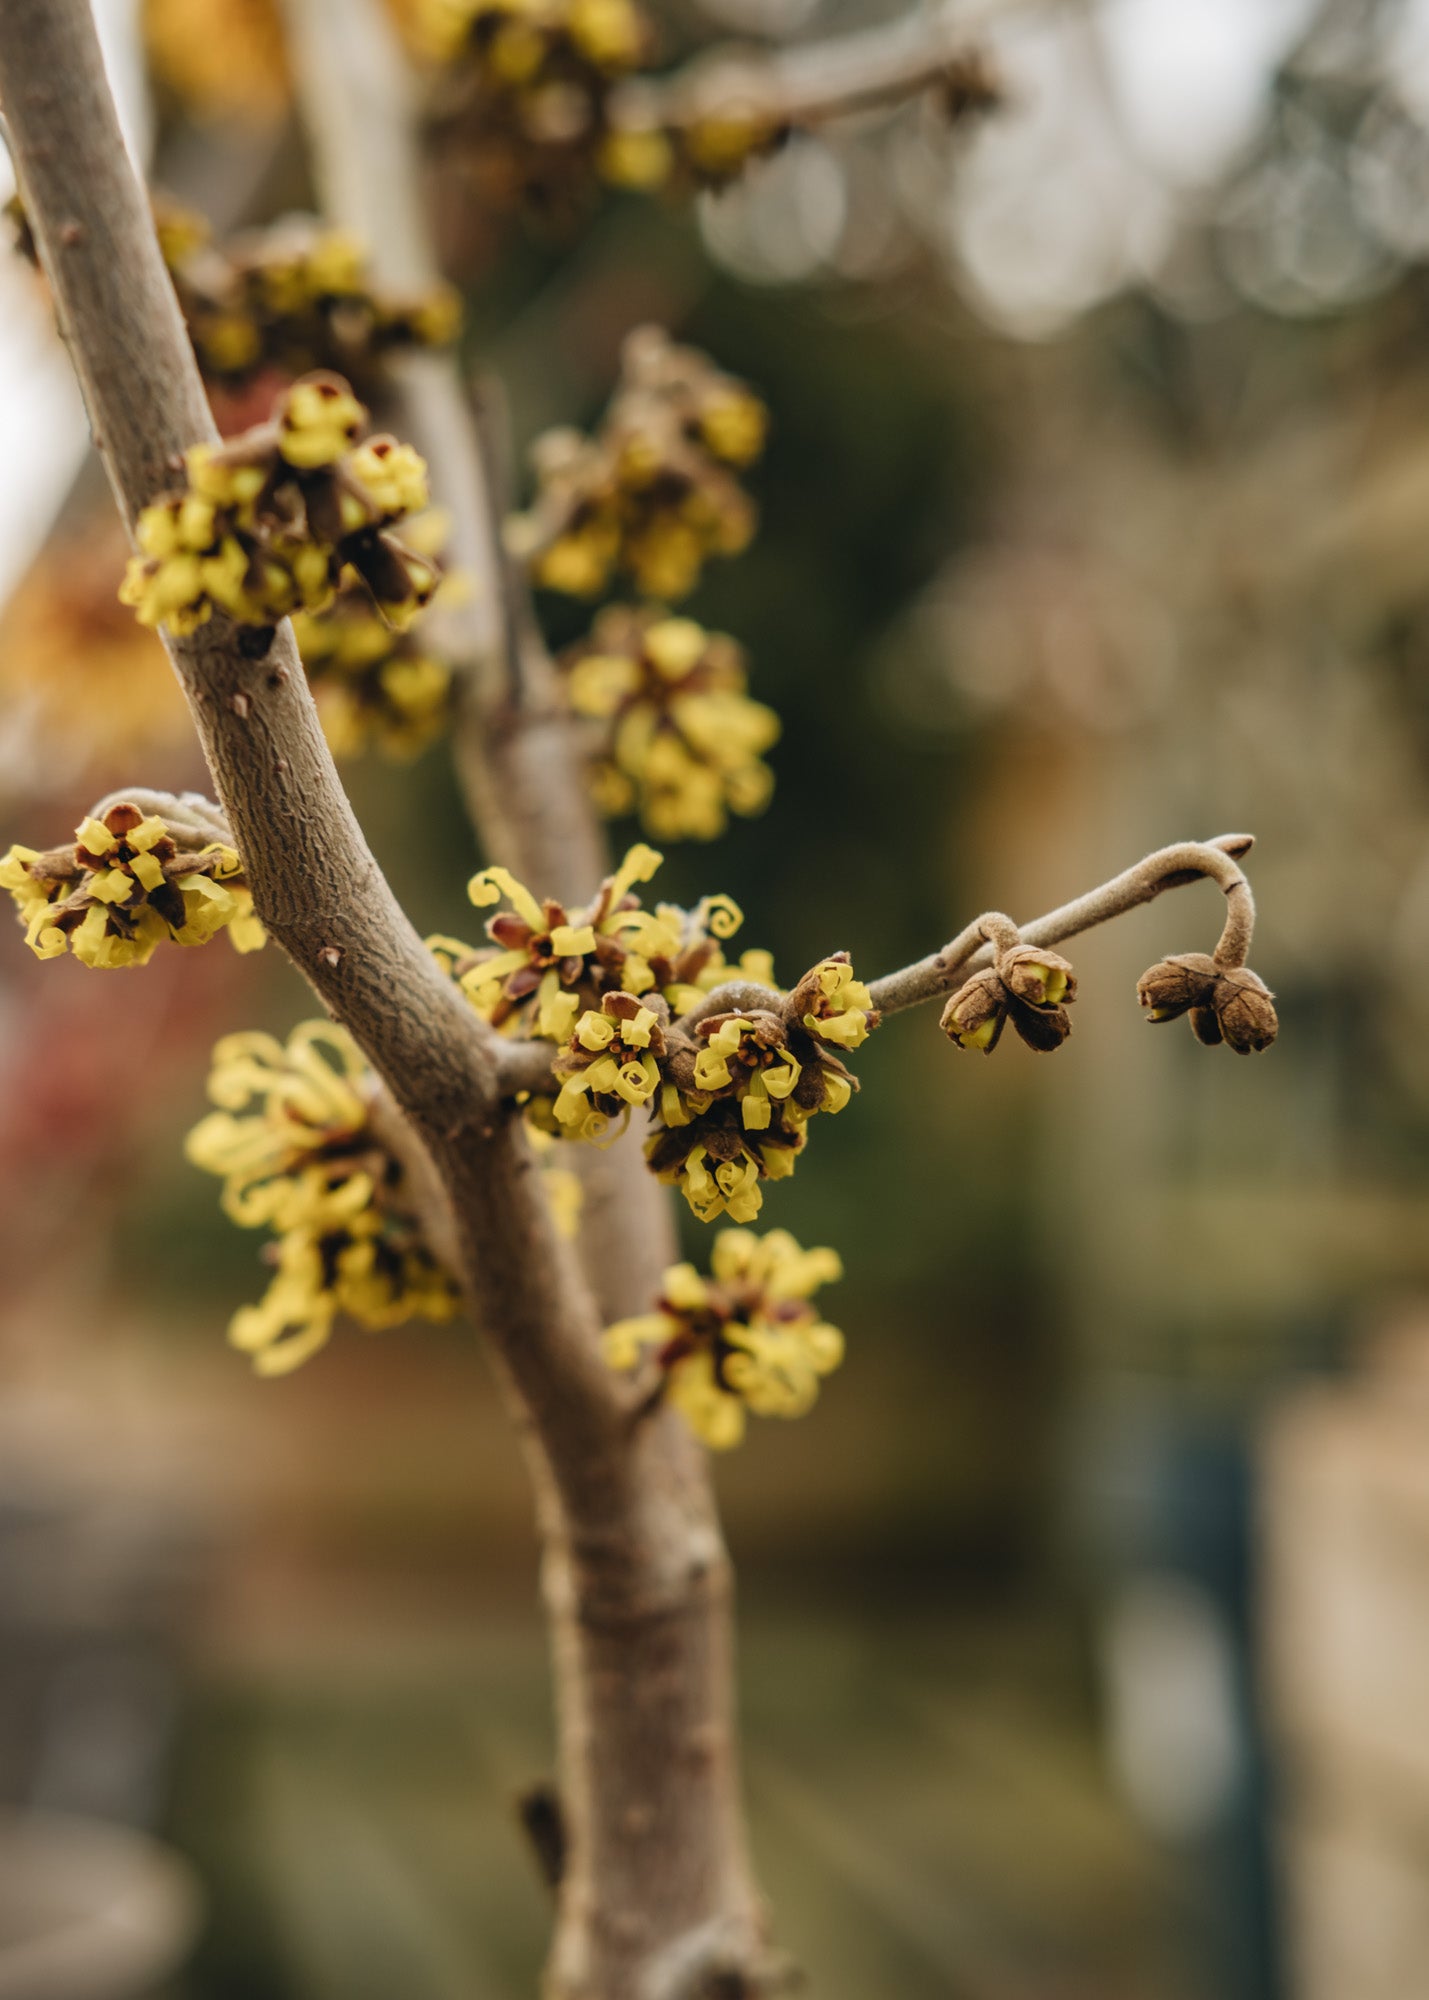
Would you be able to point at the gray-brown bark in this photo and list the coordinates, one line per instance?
(656, 1889)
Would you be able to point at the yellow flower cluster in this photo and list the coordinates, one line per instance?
(372, 685)
(268, 523)
(651, 493)
(293, 298)
(544, 98)
(683, 743)
(547, 966)
(126, 886)
(746, 1338)
(293, 1142)
(527, 93)
(737, 1095)
(612, 1065)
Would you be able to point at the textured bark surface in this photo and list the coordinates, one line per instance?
(656, 1897)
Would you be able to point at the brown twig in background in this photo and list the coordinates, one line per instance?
(804, 87)
(516, 754)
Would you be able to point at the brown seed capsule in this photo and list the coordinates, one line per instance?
(1174, 985)
(1245, 1011)
(974, 1017)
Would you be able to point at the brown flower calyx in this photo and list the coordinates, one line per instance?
(1229, 1004)
(1025, 984)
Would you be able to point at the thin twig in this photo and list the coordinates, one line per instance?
(814, 83)
(1168, 868)
(525, 1066)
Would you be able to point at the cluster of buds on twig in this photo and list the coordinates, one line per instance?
(681, 742)
(730, 1094)
(1032, 987)
(652, 493)
(1025, 984)
(270, 522)
(289, 299)
(738, 1091)
(546, 965)
(545, 99)
(524, 94)
(1227, 1003)
(294, 1144)
(293, 297)
(703, 126)
(372, 685)
(747, 1338)
(133, 880)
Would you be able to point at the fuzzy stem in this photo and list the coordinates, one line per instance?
(1000, 931)
(1168, 868)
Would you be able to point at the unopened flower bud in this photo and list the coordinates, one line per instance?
(1174, 985)
(1245, 1011)
(1041, 979)
(1231, 1005)
(974, 1017)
